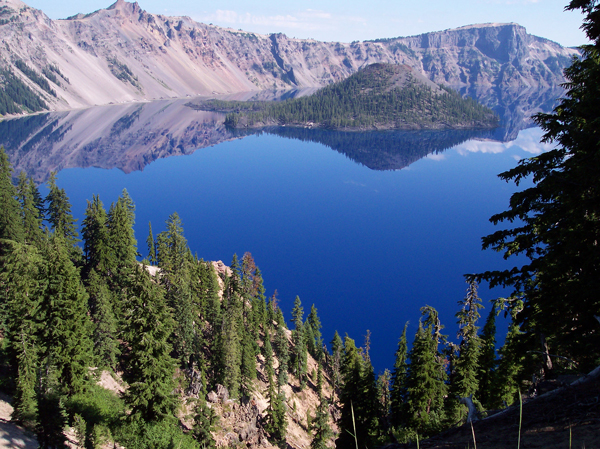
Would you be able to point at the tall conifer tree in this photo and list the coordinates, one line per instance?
(487, 359)
(11, 224)
(149, 366)
(399, 392)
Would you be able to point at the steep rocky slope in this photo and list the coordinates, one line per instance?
(122, 54)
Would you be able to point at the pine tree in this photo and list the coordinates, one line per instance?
(11, 227)
(320, 424)
(32, 219)
(275, 421)
(384, 382)
(487, 359)
(337, 348)
(60, 216)
(248, 367)
(466, 366)
(176, 270)
(505, 390)
(22, 278)
(299, 355)
(105, 336)
(121, 237)
(359, 400)
(94, 231)
(149, 368)
(399, 393)
(282, 350)
(557, 226)
(151, 245)
(259, 304)
(64, 309)
(315, 324)
(426, 383)
(229, 345)
(205, 420)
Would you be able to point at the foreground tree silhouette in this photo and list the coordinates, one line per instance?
(557, 292)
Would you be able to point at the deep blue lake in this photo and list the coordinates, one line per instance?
(369, 247)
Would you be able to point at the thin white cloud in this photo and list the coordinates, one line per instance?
(301, 22)
(436, 156)
(528, 141)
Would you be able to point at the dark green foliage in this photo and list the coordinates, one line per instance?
(320, 424)
(380, 95)
(425, 383)
(123, 245)
(248, 367)
(504, 391)
(11, 227)
(299, 351)
(33, 76)
(151, 246)
(358, 397)
(282, 351)
(52, 420)
(556, 291)
(384, 400)
(60, 216)
(30, 201)
(176, 278)
(122, 72)
(64, 309)
(149, 368)
(15, 93)
(316, 342)
(337, 348)
(466, 365)
(23, 283)
(229, 344)
(94, 230)
(204, 423)
(275, 424)
(106, 344)
(399, 393)
(487, 360)
(165, 434)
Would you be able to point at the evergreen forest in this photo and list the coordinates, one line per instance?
(380, 96)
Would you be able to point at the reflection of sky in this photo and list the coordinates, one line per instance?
(528, 141)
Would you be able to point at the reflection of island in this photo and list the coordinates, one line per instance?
(383, 150)
(131, 136)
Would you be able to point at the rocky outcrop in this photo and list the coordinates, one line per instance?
(501, 55)
(124, 54)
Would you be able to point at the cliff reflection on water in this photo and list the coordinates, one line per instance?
(129, 137)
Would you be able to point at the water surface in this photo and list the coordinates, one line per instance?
(368, 227)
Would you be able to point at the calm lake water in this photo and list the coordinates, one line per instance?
(367, 246)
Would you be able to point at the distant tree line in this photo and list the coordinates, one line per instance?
(15, 93)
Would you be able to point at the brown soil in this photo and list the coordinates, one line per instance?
(566, 418)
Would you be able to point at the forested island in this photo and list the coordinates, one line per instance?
(378, 97)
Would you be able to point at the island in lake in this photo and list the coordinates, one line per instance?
(379, 97)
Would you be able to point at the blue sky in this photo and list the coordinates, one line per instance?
(349, 20)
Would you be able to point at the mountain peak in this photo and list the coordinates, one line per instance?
(124, 6)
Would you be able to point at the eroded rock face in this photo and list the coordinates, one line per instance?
(124, 54)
